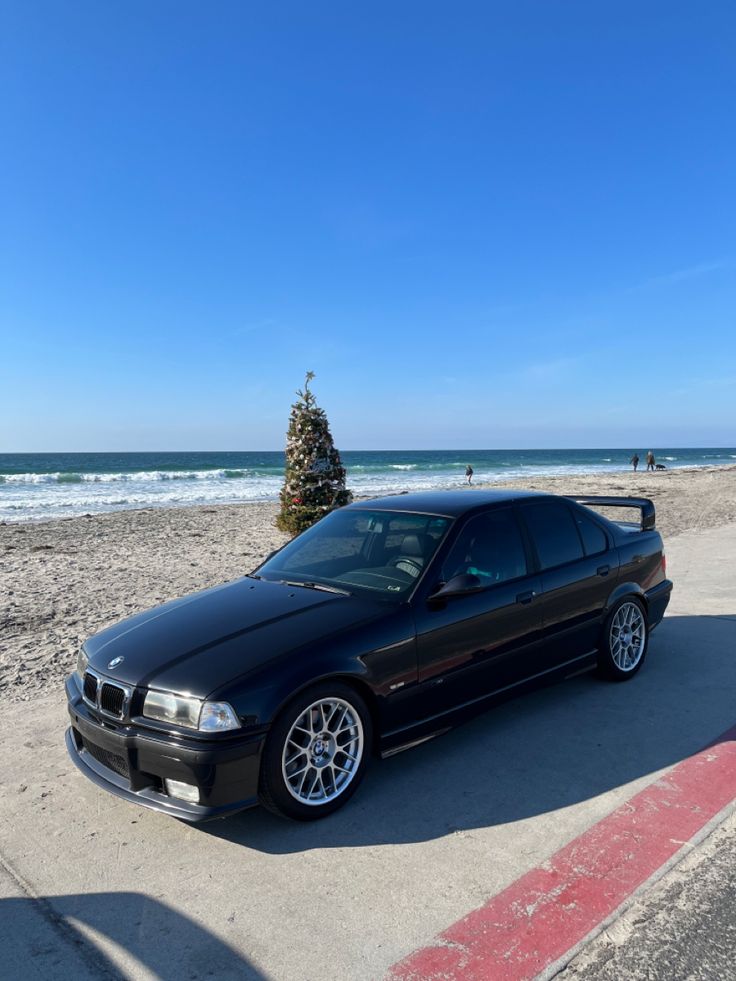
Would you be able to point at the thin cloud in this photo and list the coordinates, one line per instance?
(698, 384)
(691, 272)
(549, 370)
(255, 325)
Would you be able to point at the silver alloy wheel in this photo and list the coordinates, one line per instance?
(627, 637)
(322, 751)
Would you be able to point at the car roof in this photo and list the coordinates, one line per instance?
(450, 503)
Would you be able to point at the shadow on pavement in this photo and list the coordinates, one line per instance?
(48, 936)
(538, 753)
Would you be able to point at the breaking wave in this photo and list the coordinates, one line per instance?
(42, 486)
(139, 476)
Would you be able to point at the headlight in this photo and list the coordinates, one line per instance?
(82, 662)
(165, 707)
(182, 710)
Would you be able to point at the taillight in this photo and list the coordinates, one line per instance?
(664, 564)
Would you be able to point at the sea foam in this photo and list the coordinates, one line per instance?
(86, 488)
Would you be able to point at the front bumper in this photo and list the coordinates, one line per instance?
(133, 764)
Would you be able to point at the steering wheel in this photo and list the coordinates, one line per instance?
(406, 563)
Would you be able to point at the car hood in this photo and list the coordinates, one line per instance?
(201, 642)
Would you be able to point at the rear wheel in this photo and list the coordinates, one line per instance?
(316, 753)
(625, 638)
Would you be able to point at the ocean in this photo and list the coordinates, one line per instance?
(39, 486)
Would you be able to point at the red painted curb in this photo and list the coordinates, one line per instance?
(542, 915)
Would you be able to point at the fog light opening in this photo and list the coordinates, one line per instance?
(184, 791)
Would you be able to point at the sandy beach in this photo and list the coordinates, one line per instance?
(63, 580)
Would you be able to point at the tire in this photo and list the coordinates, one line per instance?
(625, 640)
(316, 752)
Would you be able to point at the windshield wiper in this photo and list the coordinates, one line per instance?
(323, 587)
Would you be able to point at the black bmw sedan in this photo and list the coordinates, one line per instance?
(381, 626)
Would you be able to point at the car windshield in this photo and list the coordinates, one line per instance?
(377, 553)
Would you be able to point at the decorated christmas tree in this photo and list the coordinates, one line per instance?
(315, 478)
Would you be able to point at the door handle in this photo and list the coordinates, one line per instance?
(603, 570)
(526, 597)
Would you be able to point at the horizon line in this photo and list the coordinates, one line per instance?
(439, 449)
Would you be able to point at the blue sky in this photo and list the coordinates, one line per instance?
(481, 224)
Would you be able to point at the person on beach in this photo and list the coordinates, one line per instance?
(650, 460)
(635, 460)
(469, 473)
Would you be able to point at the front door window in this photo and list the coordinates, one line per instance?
(489, 547)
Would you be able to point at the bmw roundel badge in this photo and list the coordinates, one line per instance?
(115, 661)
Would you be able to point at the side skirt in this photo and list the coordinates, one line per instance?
(422, 730)
(415, 742)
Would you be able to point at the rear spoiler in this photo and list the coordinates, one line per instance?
(645, 506)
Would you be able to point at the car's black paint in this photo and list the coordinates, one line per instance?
(419, 664)
(226, 771)
(191, 645)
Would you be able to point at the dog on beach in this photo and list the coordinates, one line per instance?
(660, 466)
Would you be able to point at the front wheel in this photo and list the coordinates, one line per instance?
(625, 638)
(316, 753)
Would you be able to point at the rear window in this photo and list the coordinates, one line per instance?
(554, 532)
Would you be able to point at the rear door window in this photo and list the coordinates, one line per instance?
(594, 538)
(554, 532)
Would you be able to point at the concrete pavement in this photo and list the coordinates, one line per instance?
(432, 834)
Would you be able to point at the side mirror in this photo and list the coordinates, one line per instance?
(458, 586)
